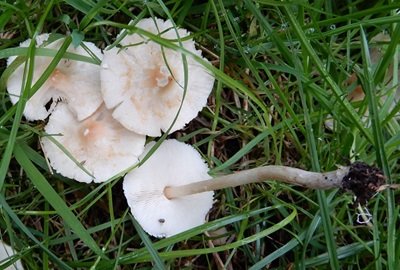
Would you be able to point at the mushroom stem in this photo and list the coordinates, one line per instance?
(357, 177)
(281, 173)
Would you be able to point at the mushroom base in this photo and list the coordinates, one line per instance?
(363, 180)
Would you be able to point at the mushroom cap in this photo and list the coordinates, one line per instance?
(5, 252)
(144, 82)
(173, 163)
(75, 82)
(101, 144)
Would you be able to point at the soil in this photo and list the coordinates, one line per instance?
(363, 180)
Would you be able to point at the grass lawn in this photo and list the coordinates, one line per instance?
(287, 73)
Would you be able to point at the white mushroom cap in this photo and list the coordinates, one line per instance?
(173, 163)
(144, 82)
(101, 144)
(75, 82)
(5, 252)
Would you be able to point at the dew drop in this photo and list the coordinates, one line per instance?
(284, 26)
(310, 30)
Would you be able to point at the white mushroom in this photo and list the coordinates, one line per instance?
(99, 143)
(75, 82)
(173, 163)
(144, 82)
(5, 253)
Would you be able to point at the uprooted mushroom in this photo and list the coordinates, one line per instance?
(175, 197)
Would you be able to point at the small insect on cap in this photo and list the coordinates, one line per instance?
(173, 163)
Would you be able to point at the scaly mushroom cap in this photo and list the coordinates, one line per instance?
(173, 163)
(144, 82)
(74, 82)
(101, 144)
(5, 252)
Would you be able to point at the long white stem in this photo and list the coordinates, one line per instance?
(285, 174)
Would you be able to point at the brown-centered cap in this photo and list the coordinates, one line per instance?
(143, 82)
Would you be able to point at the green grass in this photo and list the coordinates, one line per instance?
(281, 70)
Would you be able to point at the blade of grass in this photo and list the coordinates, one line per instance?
(387, 58)
(21, 51)
(357, 15)
(142, 255)
(95, 229)
(344, 103)
(368, 84)
(343, 252)
(29, 66)
(367, 23)
(289, 246)
(46, 226)
(311, 142)
(229, 20)
(247, 148)
(156, 259)
(236, 244)
(22, 227)
(6, 158)
(54, 200)
(218, 90)
(83, 7)
(322, 200)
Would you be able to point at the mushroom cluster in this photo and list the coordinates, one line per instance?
(99, 116)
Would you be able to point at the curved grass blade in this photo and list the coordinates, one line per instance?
(142, 255)
(156, 259)
(18, 222)
(344, 103)
(278, 253)
(55, 200)
(368, 83)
